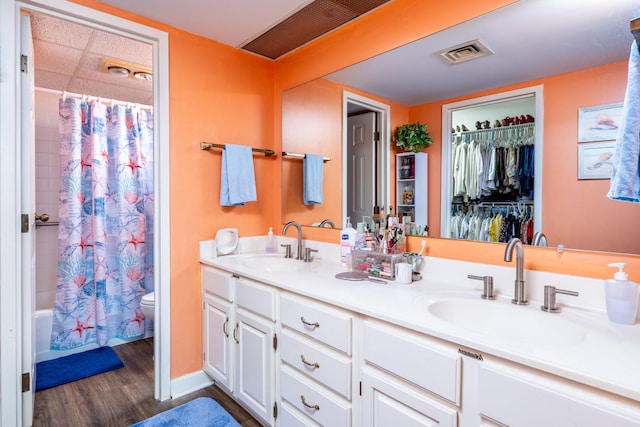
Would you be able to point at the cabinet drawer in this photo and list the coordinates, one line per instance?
(302, 394)
(255, 297)
(319, 321)
(217, 282)
(323, 365)
(429, 365)
(506, 395)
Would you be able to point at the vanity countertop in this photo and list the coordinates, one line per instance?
(605, 356)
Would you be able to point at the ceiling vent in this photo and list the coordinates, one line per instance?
(311, 22)
(465, 52)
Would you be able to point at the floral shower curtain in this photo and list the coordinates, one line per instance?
(105, 240)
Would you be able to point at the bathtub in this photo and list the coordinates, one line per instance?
(42, 331)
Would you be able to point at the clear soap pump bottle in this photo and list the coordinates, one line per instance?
(621, 297)
(270, 246)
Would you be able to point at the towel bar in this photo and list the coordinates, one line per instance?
(301, 156)
(635, 29)
(209, 145)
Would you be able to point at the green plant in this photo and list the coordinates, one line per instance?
(412, 137)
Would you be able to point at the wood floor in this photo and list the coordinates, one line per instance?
(119, 398)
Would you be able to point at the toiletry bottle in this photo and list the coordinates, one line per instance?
(347, 241)
(621, 296)
(270, 246)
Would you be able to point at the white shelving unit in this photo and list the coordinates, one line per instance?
(411, 187)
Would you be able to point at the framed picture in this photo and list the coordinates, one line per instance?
(599, 123)
(595, 160)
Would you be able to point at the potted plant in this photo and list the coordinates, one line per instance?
(412, 137)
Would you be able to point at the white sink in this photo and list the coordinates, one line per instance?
(504, 320)
(273, 263)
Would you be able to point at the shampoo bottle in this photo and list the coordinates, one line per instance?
(270, 246)
(347, 241)
(621, 297)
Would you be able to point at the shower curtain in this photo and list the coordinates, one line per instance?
(105, 240)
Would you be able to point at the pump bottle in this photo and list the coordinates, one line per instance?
(621, 297)
(270, 245)
(347, 241)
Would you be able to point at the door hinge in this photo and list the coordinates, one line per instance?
(26, 382)
(360, 388)
(275, 341)
(275, 410)
(24, 221)
(24, 63)
(376, 136)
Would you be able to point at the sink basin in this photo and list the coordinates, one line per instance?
(275, 263)
(503, 320)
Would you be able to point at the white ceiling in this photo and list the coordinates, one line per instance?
(531, 39)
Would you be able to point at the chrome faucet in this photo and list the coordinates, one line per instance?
(296, 225)
(326, 222)
(519, 296)
(538, 239)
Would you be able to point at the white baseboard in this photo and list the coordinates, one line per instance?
(189, 383)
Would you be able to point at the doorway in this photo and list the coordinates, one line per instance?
(12, 361)
(376, 171)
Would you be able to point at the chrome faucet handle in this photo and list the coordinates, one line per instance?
(488, 286)
(550, 298)
(287, 251)
(307, 254)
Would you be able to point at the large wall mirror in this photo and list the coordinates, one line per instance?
(579, 59)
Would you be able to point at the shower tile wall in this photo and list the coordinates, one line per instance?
(47, 163)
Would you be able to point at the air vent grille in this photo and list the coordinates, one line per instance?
(312, 21)
(465, 52)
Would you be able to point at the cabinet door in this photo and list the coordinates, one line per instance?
(389, 402)
(255, 364)
(216, 340)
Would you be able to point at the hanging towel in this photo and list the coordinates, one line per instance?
(312, 179)
(238, 182)
(625, 173)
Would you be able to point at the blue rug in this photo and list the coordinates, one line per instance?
(62, 370)
(201, 412)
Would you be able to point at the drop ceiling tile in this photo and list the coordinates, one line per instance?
(53, 57)
(117, 47)
(54, 30)
(51, 80)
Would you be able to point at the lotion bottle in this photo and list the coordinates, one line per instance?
(270, 245)
(347, 241)
(621, 296)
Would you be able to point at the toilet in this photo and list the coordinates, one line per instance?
(148, 304)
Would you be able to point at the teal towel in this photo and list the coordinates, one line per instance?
(238, 181)
(312, 177)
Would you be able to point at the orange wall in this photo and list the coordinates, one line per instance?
(217, 94)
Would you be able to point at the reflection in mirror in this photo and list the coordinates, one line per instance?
(580, 60)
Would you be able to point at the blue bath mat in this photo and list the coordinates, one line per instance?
(62, 370)
(201, 412)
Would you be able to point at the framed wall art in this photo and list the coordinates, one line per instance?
(595, 160)
(599, 123)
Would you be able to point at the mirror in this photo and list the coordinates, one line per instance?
(578, 51)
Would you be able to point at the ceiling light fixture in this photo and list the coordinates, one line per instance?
(118, 71)
(143, 75)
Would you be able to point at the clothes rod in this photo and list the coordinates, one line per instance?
(302, 156)
(66, 94)
(210, 145)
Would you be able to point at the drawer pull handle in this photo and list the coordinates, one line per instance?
(234, 334)
(313, 365)
(224, 328)
(304, 402)
(313, 325)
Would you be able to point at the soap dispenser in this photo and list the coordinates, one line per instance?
(270, 245)
(621, 296)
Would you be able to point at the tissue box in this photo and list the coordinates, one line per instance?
(375, 263)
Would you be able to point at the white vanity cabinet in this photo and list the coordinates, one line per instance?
(239, 342)
(407, 379)
(315, 363)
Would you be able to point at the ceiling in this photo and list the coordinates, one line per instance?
(530, 39)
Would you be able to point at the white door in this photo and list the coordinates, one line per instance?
(217, 340)
(27, 207)
(361, 181)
